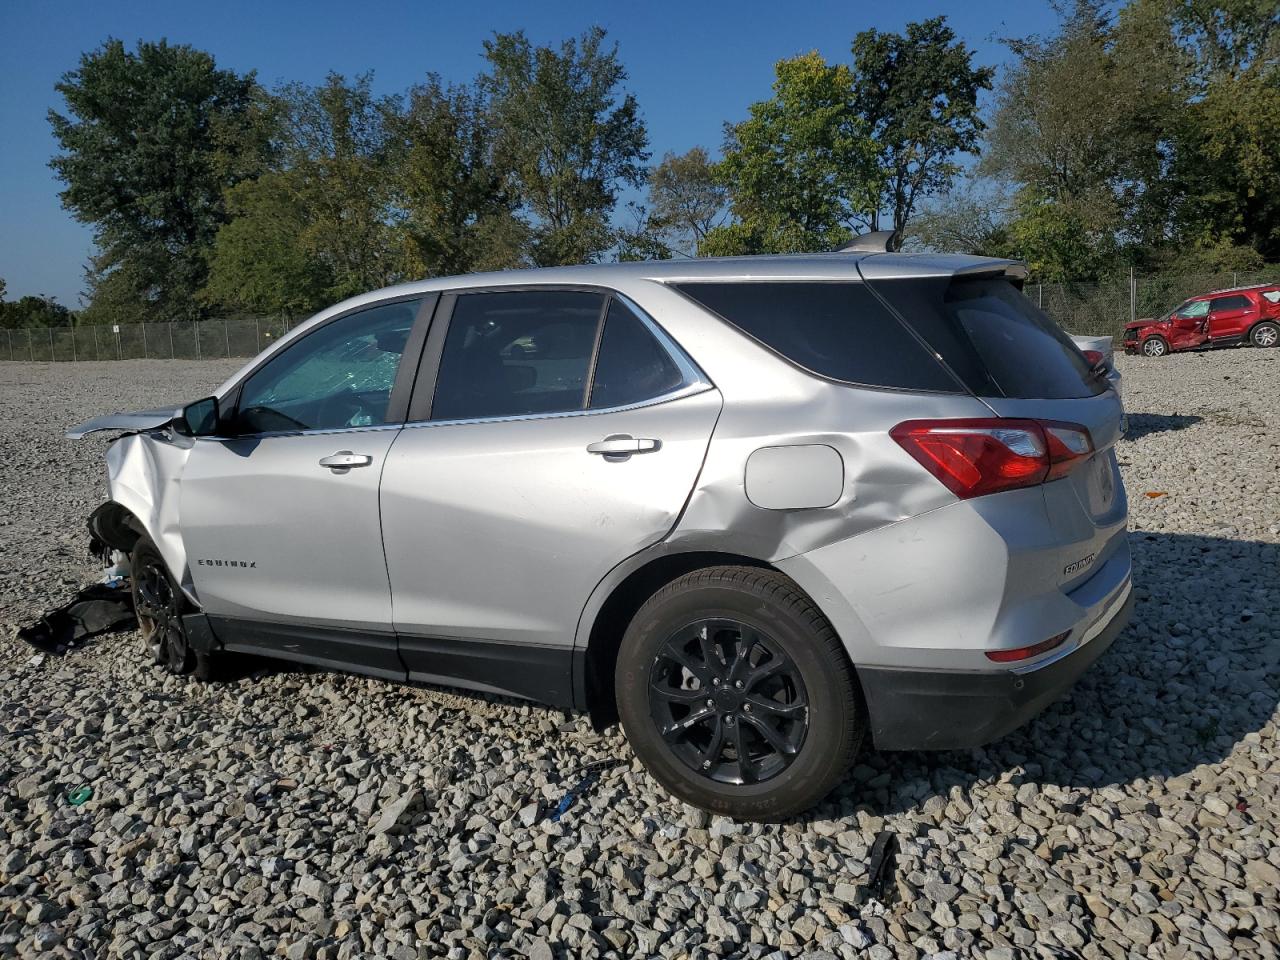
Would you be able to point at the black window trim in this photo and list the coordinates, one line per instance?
(401, 389)
(428, 372)
(961, 388)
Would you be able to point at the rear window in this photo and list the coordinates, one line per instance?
(838, 330)
(994, 338)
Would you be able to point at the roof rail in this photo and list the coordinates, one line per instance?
(878, 241)
(1246, 286)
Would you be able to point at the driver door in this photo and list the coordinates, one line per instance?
(1189, 323)
(279, 514)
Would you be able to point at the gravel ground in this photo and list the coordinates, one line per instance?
(314, 815)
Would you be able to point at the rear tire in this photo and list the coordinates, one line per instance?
(1155, 346)
(159, 604)
(1265, 334)
(737, 695)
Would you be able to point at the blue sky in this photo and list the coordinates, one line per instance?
(692, 66)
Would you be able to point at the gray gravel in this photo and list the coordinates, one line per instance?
(310, 815)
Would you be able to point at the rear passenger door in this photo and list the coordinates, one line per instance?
(1230, 316)
(553, 434)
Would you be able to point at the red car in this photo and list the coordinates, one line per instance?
(1221, 318)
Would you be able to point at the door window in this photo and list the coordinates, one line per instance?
(339, 376)
(1194, 311)
(518, 353)
(632, 366)
(1229, 303)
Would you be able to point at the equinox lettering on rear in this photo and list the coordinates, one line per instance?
(227, 563)
(1078, 565)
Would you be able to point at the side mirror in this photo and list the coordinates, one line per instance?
(200, 419)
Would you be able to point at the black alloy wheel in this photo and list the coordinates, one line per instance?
(729, 701)
(159, 605)
(737, 695)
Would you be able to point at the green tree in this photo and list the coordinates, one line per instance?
(261, 261)
(458, 214)
(918, 96)
(149, 141)
(336, 148)
(1081, 131)
(799, 169)
(569, 136)
(972, 217)
(32, 311)
(687, 200)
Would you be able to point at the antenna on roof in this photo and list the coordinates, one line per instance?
(878, 241)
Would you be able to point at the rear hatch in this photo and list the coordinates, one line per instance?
(1021, 364)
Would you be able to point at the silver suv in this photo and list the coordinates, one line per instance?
(762, 510)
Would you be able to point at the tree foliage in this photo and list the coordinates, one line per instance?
(687, 200)
(1149, 138)
(569, 137)
(918, 95)
(31, 311)
(797, 167)
(1145, 134)
(149, 141)
(459, 212)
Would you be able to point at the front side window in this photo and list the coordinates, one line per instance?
(518, 353)
(1194, 311)
(339, 376)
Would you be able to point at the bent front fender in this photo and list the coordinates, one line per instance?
(144, 473)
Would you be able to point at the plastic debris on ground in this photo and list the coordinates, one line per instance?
(98, 608)
(80, 796)
(880, 867)
(587, 778)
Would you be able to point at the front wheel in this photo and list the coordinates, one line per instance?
(1155, 347)
(1265, 334)
(737, 695)
(159, 605)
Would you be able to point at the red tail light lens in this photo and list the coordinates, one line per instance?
(1026, 653)
(975, 457)
(1096, 358)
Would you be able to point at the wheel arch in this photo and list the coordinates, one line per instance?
(616, 601)
(1272, 321)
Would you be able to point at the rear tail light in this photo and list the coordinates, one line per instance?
(975, 457)
(1096, 358)
(1026, 653)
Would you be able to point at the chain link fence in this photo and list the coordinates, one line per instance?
(192, 340)
(1092, 309)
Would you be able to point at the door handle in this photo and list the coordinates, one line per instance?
(344, 460)
(622, 446)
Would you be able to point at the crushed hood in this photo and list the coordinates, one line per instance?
(134, 422)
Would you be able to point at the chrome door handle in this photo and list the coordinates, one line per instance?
(344, 460)
(623, 446)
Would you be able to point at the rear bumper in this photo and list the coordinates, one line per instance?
(951, 710)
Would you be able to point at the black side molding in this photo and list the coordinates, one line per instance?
(540, 673)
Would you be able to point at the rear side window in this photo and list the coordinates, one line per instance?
(1236, 302)
(838, 330)
(515, 354)
(994, 338)
(632, 366)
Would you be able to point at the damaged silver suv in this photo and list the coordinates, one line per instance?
(761, 510)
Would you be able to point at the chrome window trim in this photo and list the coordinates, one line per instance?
(370, 428)
(688, 390)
